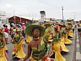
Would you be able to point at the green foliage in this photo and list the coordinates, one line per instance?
(2, 44)
(56, 38)
(29, 29)
(16, 39)
(1, 35)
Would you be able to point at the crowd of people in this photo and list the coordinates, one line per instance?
(45, 41)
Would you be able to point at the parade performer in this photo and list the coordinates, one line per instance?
(70, 33)
(18, 41)
(48, 37)
(56, 48)
(70, 30)
(63, 36)
(49, 31)
(58, 29)
(3, 54)
(37, 48)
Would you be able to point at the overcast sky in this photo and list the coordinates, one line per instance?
(32, 8)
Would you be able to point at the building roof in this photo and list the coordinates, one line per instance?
(19, 19)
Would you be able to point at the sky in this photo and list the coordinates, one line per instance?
(32, 8)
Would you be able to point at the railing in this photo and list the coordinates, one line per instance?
(74, 47)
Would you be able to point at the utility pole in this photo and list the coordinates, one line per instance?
(62, 13)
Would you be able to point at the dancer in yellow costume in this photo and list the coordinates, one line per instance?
(49, 32)
(62, 42)
(64, 37)
(3, 54)
(70, 33)
(56, 48)
(37, 48)
(18, 50)
(66, 40)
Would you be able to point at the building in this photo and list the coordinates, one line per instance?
(17, 19)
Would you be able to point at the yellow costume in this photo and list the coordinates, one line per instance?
(2, 54)
(70, 33)
(19, 52)
(64, 48)
(56, 49)
(28, 39)
(66, 40)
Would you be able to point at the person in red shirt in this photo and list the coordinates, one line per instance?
(6, 31)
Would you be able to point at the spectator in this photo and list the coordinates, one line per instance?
(6, 31)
